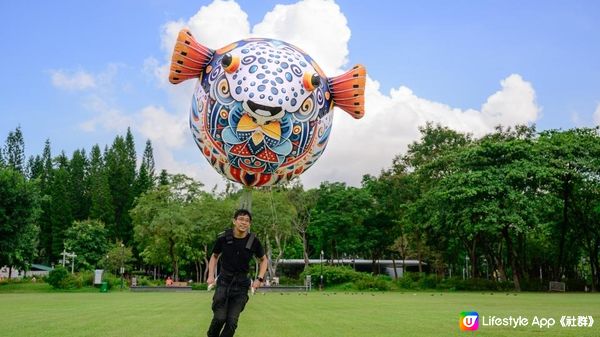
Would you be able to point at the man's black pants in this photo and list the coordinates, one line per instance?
(229, 301)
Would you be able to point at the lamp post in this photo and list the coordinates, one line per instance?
(467, 265)
(321, 282)
(122, 267)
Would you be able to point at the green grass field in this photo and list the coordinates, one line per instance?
(316, 314)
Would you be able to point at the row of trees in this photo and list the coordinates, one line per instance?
(64, 192)
(515, 205)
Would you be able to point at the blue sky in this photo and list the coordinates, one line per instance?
(466, 64)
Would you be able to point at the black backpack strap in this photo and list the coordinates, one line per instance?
(228, 235)
(250, 241)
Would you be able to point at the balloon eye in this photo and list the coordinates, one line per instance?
(307, 106)
(230, 63)
(311, 81)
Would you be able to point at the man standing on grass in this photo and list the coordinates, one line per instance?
(235, 248)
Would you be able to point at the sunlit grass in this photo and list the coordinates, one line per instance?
(328, 314)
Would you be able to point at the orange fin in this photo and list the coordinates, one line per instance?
(189, 58)
(348, 91)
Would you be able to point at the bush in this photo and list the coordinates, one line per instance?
(85, 278)
(374, 283)
(332, 275)
(148, 281)
(455, 283)
(57, 278)
(199, 286)
(112, 280)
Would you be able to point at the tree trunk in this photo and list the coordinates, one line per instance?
(206, 260)
(304, 249)
(595, 267)
(198, 270)
(563, 229)
(499, 262)
(394, 265)
(471, 247)
(280, 250)
(512, 258)
(269, 257)
(173, 260)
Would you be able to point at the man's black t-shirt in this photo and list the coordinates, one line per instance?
(234, 256)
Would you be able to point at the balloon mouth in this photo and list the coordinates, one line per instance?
(263, 110)
(262, 113)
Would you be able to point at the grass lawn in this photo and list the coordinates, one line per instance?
(317, 314)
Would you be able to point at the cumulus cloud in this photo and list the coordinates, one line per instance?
(597, 115)
(392, 120)
(72, 80)
(161, 127)
(513, 104)
(105, 116)
(356, 147)
(326, 42)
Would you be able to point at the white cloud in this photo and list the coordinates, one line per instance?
(356, 147)
(391, 123)
(318, 27)
(514, 104)
(597, 115)
(162, 127)
(105, 116)
(74, 80)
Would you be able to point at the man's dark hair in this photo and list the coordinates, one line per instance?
(242, 211)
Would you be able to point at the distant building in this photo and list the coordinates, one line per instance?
(37, 270)
(293, 267)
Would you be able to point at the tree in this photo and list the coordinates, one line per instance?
(19, 210)
(101, 206)
(208, 215)
(88, 240)
(161, 225)
(61, 216)
(272, 217)
(79, 187)
(304, 202)
(118, 256)
(2, 162)
(337, 219)
(15, 150)
(146, 177)
(428, 160)
(120, 163)
(46, 177)
(571, 160)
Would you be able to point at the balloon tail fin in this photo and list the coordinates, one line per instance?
(189, 58)
(348, 91)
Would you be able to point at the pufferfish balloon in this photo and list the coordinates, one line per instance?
(262, 109)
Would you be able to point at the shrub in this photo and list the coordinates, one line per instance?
(332, 275)
(374, 283)
(85, 278)
(57, 277)
(112, 280)
(428, 282)
(199, 286)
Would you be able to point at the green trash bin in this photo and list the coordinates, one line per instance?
(104, 287)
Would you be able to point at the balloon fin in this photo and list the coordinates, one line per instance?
(189, 58)
(348, 91)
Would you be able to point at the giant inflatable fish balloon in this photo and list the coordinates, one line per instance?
(262, 109)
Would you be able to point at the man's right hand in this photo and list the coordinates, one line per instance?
(210, 282)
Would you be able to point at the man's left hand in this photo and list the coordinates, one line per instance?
(256, 284)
